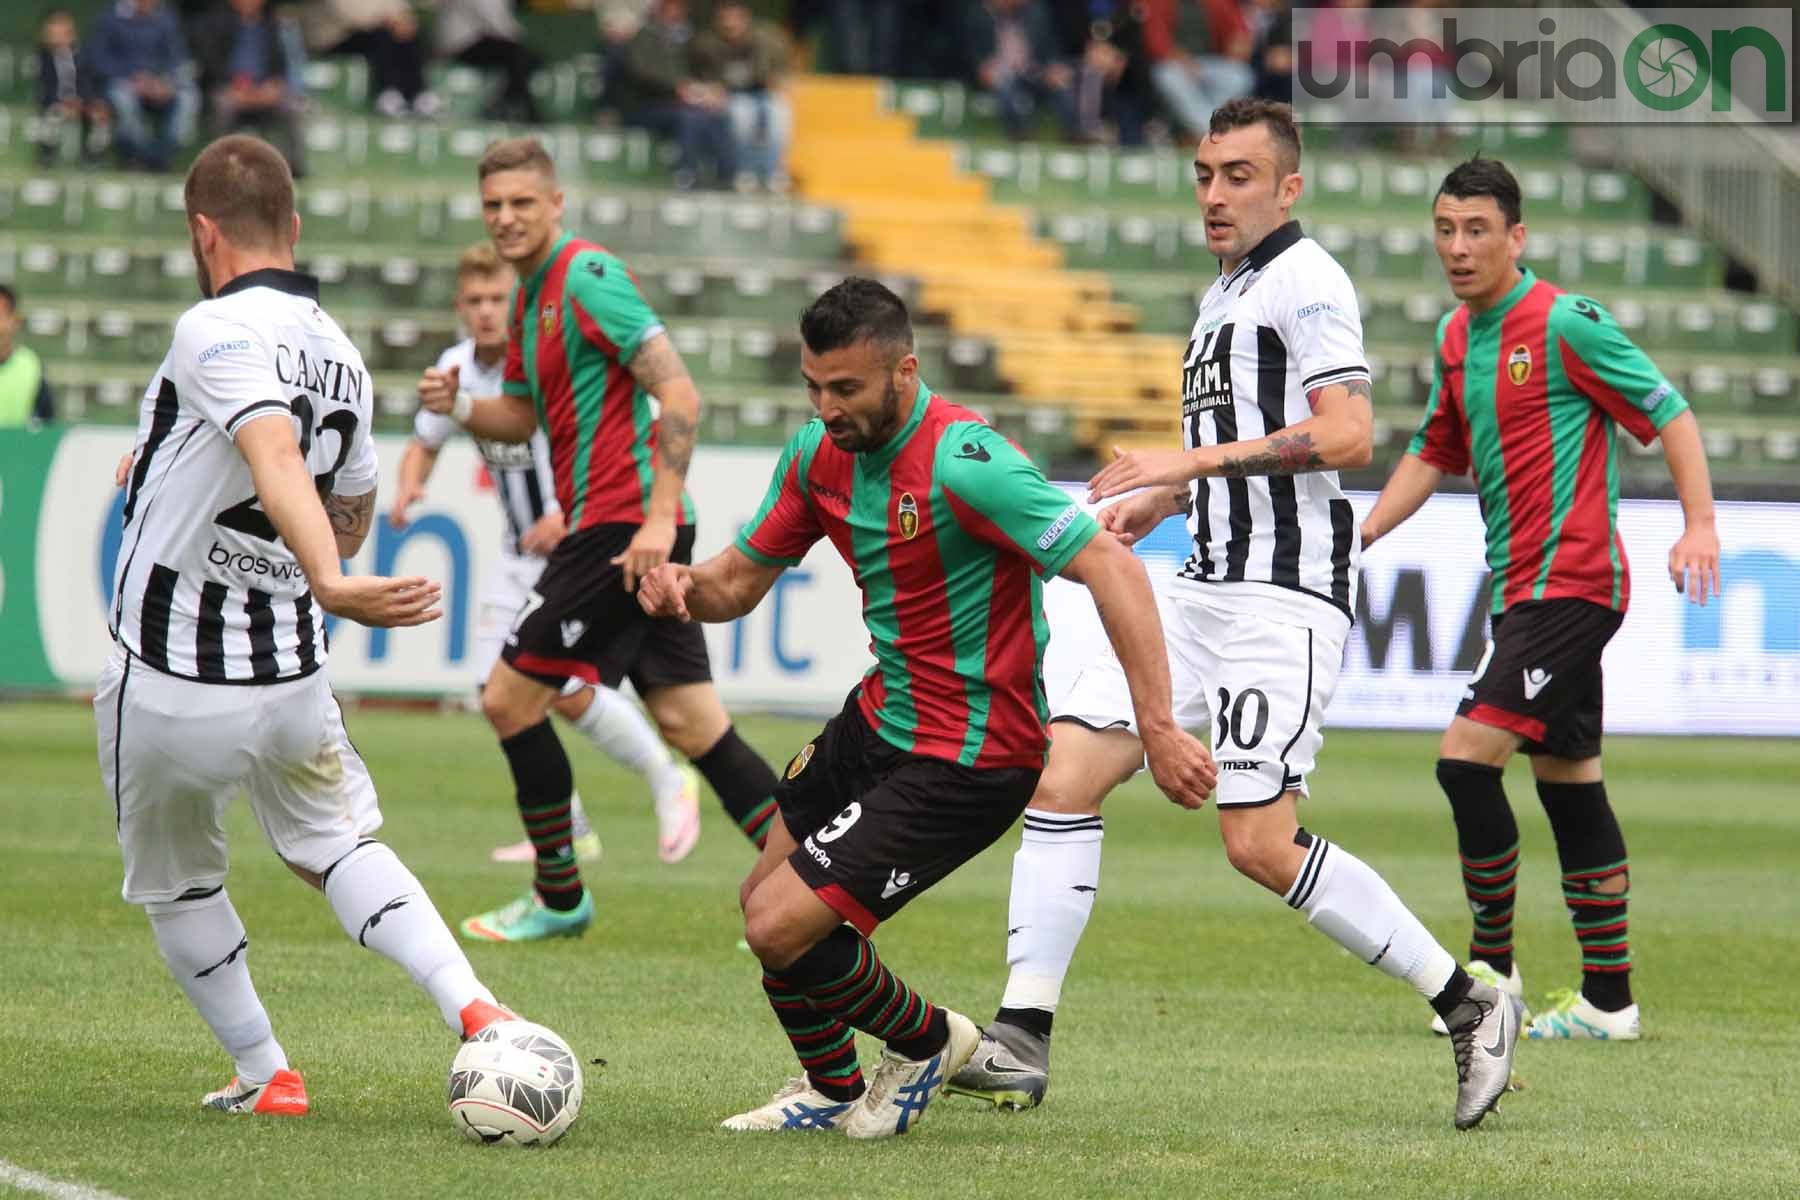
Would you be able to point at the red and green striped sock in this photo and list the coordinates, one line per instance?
(1491, 885)
(1601, 927)
(825, 1045)
(545, 787)
(844, 978)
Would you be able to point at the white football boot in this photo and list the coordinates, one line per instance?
(1571, 1015)
(797, 1107)
(902, 1087)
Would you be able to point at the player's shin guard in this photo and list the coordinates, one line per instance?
(744, 783)
(1056, 875)
(825, 1045)
(1487, 840)
(843, 977)
(544, 784)
(1596, 881)
(383, 907)
(1344, 899)
(204, 943)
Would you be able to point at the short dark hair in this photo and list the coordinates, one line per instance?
(516, 154)
(1278, 117)
(854, 310)
(1483, 177)
(243, 185)
(11, 297)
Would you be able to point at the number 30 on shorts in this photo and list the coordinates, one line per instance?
(1244, 720)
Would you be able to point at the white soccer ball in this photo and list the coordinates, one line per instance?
(517, 1083)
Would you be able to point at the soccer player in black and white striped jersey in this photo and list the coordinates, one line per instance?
(1275, 397)
(526, 490)
(252, 475)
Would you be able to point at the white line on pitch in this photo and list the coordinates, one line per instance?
(15, 1176)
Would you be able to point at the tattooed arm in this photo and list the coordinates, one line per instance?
(658, 369)
(350, 518)
(1340, 433)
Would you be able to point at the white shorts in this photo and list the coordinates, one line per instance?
(508, 588)
(1260, 683)
(175, 753)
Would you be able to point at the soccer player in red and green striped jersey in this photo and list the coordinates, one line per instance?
(588, 360)
(948, 529)
(1529, 384)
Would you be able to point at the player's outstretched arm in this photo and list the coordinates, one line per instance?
(1694, 559)
(1339, 434)
(1410, 486)
(500, 418)
(416, 465)
(723, 588)
(350, 518)
(289, 496)
(1182, 767)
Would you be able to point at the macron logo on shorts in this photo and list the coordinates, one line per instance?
(1536, 679)
(571, 633)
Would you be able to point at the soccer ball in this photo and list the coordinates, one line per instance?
(515, 1082)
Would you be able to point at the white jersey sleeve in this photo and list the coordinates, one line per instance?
(224, 370)
(1322, 326)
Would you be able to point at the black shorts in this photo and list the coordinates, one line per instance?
(1541, 676)
(581, 623)
(877, 825)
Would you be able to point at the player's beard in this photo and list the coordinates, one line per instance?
(883, 427)
(200, 272)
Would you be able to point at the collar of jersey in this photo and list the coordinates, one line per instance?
(294, 283)
(1527, 281)
(1264, 252)
(537, 276)
(877, 460)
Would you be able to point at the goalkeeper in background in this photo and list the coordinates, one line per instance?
(1528, 384)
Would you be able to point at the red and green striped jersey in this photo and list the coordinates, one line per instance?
(1527, 394)
(575, 324)
(947, 528)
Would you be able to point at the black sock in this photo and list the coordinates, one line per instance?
(1592, 850)
(744, 783)
(1454, 993)
(1487, 841)
(544, 783)
(1031, 1020)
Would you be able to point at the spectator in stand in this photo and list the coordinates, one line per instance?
(662, 95)
(1272, 59)
(385, 33)
(749, 58)
(1012, 51)
(486, 34)
(66, 92)
(1200, 57)
(25, 399)
(1104, 40)
(252, 69)
(140, 56)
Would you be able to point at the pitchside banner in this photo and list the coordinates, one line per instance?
(1732, 667)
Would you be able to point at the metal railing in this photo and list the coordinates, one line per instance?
(1734, 177)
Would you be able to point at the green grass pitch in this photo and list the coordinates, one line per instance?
(1209, 1042)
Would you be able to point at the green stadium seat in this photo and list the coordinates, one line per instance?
(111, 337)
(339, 82)
(42, 270)
(52, 330)
(332, 214)
(1772, 390)
(1679, 261)
(41, 204)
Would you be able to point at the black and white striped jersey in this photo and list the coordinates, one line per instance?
(521, 470)
(205, 588)
(1282, 324)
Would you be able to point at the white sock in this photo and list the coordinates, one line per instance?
(1056, 874)
(382, 906)
(621, 731)
(204, 943)
(1344, 899)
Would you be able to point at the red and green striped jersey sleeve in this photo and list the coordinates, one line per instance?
(1603, 364)
(1443, 438)
(786, 525)
(512, 379)
(611, 313)
(1013, 506)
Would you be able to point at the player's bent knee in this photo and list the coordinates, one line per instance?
(1068, 793)
(774, 940)
(311, 879)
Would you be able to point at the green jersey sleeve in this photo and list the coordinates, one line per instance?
(1000, 497)
(786, 525)
(1603, 364)
(607, 306)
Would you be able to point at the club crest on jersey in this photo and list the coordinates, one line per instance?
(909, 516)
(800, 761)
(1518, 364)
(547, 317)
